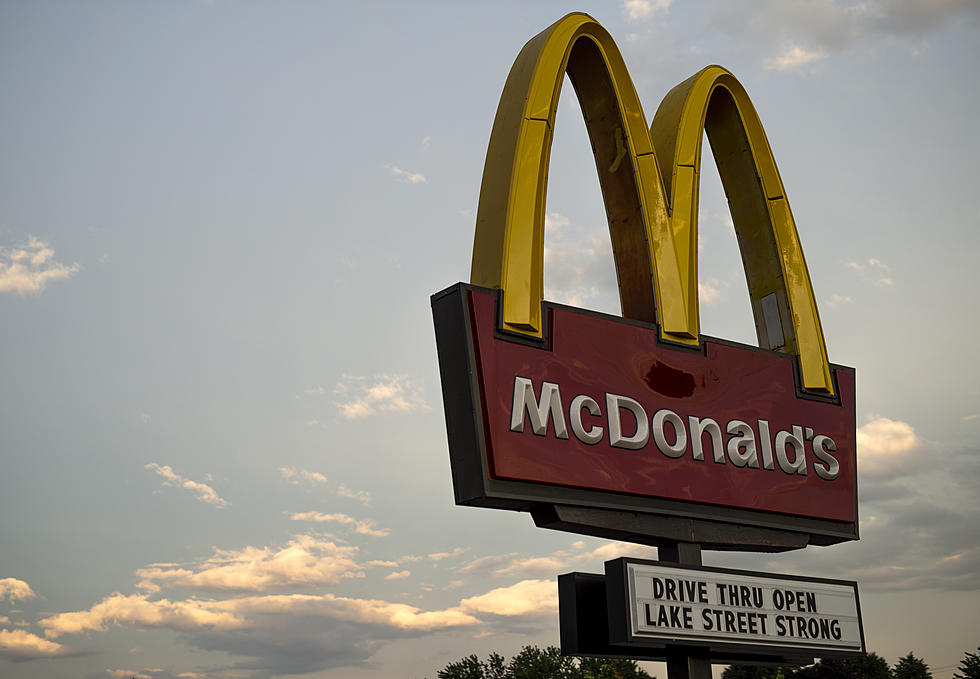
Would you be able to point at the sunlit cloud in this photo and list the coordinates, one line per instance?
(360, 526)
(27, 269)
(874, 271)
(531, 567)
(243, 613)
(201, 491)
(406, 177)
(14, 589)
(637, 10)
(305, 560)
(398, 575)
(439, 556)
(709, 291)
(838, 300)
(793, 57)
(578, 264)
(382, 394)
(362, 496)
(299, 476)
(534, 598)
(133, 674)
(20, 644)
(883, 445)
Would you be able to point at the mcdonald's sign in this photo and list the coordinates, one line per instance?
(637, 426)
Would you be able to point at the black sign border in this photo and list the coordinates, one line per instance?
(620, 630)
(473, 486)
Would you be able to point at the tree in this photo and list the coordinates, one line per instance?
(969, 667)
(604, 668)
(469, 667)
(754, 672)
(911, 667)
(535, 663)
(871, 666)
(828, 668)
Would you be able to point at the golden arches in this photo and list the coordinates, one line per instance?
(652, 216)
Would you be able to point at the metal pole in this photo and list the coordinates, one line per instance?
(685, 663)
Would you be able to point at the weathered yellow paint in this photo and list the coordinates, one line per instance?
(652, 214)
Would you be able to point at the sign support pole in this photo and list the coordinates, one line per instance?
(683, 664)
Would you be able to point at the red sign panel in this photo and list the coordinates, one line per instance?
(601, 407)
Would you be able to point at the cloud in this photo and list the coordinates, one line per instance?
(381, 394)
(873, 270)
(709, 292)
(837, 300)
(406, 177)
(637, 10)
(304, 560)
(14, 589)
(299, 476)
(361, 526)
(202, 491)
(885, 446)
(19, 644)
(362, 496)
(398, 575)
(578, 264)
(284, 634)
(794, 57)
(529, 567)
(534, 598)
(426, 143)
(794, 33)
(439, 556)
(27, 269)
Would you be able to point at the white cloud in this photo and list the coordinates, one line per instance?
(554, 221)
(14, 589)
(202, 491)
(709, 292)
(439, 556)
(532, 598)
(793, 57)
(362, 496)
(578, 264)
(243, 613)
(299, 476)
(873, 270)
(530, 567)
(837, 300)
(361, 526)
(27, 269)
(398, 575)
(305, 560)
(19, 644)
(637, 10)
(381, 394)
(885, 446)
(405, 176)
(426, 143)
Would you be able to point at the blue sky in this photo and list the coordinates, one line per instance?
(221, 427)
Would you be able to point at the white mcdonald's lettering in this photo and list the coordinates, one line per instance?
(671, 436)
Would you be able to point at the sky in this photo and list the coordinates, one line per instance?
(221, 433)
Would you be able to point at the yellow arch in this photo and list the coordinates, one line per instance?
(652, 216)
